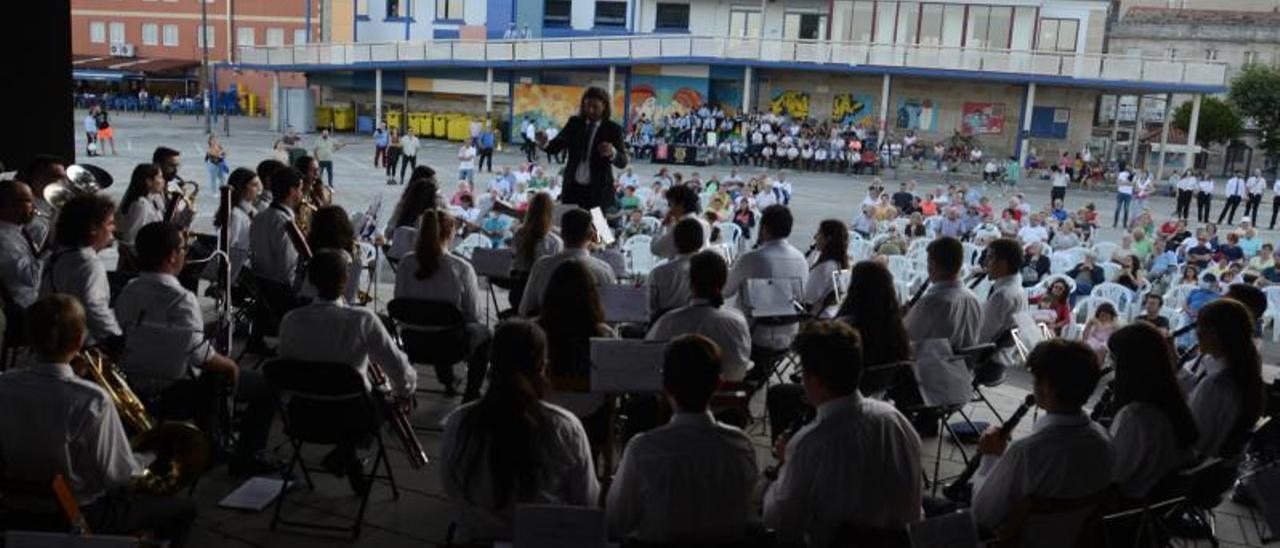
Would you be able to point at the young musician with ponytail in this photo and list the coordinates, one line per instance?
(512, 447)
(1226, 393)
(533, 240)
(432, 273)
(832, 244)
(142, 204)
(244, 186)
(706, 316)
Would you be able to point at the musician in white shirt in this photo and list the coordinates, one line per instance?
(85, 227)
(20, 264)
(669, 282)
(774, 259)
(687, 482)
(706, 314)
(1204, 199)
(682, 203)
(244, 186)
(52, 421)
(142, 204)
(832, 244)
(39, 173)
(577, 232)
(857, 465)
(171, 362)
(273, 255)
(1187, 186)
(511, 446)
(1005, 300)
(947, 310)
(432, 273)
(1067, 457)
(1234, 192)
(1225, 391)
(1255, 187)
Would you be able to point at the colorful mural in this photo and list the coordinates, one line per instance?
(654, 96)
(791, 103)
(912, 113)
(726, 95)
(551, 105)
(856, 109)
(982, 118)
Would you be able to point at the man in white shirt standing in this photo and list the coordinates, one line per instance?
(20, 265)
(856, 467)
(1275, 204)
(687, 482)
(1204, 199)
(1234, 192)
(1007, 298)
(777, 260)
(408, 154)
(577, 232)
(1124, 195)
(1187, 186)
(1067, 457)
(1255, 186)
(947, 310)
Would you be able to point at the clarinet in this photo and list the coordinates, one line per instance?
(803, 419)
(977, 279)
(399, 417)
(959, 490)
(919, 293)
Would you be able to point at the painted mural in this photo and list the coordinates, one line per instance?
(790, 103)
(726, 95)
(654, 96)
(854, 108)
(982, 118)
(550, 105)
(918, 114)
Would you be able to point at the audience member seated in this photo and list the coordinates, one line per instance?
(705, 314)
(578, 232)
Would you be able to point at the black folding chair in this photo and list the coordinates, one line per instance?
(271, 300)
(324, 403)
(431, 333)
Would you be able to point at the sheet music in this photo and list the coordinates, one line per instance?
(625, 303)
(254, 494)
(604, 234)
(626, 365)
(492, 263)
(956, 530)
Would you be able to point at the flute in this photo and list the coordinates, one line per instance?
(959, 489)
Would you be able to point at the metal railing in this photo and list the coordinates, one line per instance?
(640, 49)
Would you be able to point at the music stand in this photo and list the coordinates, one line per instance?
(620, 366)
(625, 303)
(493, 264)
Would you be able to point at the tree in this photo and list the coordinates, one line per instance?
(1219, 122)
(1255, 91)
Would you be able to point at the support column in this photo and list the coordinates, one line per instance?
(1135, 146)
(748, 75)
(613, 80)
(275, 102)
(377, 97)
(1164, 135)
(488, 92)
(404, 107)
(1024, 140)
(884, 108)
(1115, 130)
(1190, 158)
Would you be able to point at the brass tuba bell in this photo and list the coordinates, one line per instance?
(81, 179)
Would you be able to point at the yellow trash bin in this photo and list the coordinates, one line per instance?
(393, 120)
(459, 128)
(324, 116)
(440, 126)
(344, 118)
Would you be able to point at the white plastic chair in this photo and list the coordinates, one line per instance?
(1084, 309)
(471, 243)
(640, 260)
(918, 245)
(1176, 296)
(1043, 285)
(1124, 297)
(972, 253)
(931, 226)
(730, 233)
(1110, 270)
(855, 237)
(901, 267)
(652, 224)
(860, 249)
(1104, 250)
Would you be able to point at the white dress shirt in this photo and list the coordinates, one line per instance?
(79, 273)
(820, 284)
(1005, 299)
(329, 331)
(165, 339)
(858, 460)
(1214, 399)
(53, 422)
(1146, 449)
(723, 325)
(20, 268)
(687, 482)
(1067, 457)
(238, 235)
(948, 310)
(567, 477)
(540, 275)
(1206, 186)
(1256, 185)
(1188, 183)
(665, 245)
(550, 245)
(273, 256)
(145, 210)
(1234, 187)
(774, 259)
(669, 284)
(453, 282)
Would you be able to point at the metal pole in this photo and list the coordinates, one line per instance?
(1164, 135)
(488, 91)
(377, 98)
(1024, 140)
(1115, 130)
(204, 64)
(613, 77)
(1192, 129)
(747, 76)
(884, 109)
(1135, 144)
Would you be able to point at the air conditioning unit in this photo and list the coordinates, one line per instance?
(122, 50)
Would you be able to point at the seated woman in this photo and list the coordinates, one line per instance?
(1054, 302)
(533, 240)
(511, 447)
(431, 273)
(1153, 432)
(143, 204)
(244, 186)
(1225, 390)
(832, 245)
(1099, 328)
(331, 229)
(571, 315)
(419, 196)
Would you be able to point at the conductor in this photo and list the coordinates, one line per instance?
(594, 143)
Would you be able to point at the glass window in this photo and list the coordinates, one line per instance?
(275, 37)
(98, 32)
(804, 26)
(1057, 35)
(1001, 27)
(556, 13)
(953, 25)
(886, 18)
(908, 17)
(1068, 34)
(453, 10)
(672, 16)
(863, 21)
(930, 25)
(211, 33)
(117, 33)
(1024, 29)
(744, 24)
(150, 34)
(611, 14)
(299, 36)
(171, 35)
(362, 8)
(245, 37)
(841, 15)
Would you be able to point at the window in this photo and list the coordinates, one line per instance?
(150, 34)
(989, 26)
(362, 8)
(908, 18)
(245, 37)
(171, 35)
(1057, 35)
(744, 24)
(1250, 57)
(275, 37)
(886, 16)
(98, 32)
(862, 21)
(556, 13)
(1209, 54)
(402, 9)
(209, 32)
(453, 10)
(672, 17)
(804, 26)
(611, 14)
(117, 33)
(299, 37)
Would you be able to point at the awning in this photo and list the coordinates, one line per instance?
(100, 75)
(132, 68)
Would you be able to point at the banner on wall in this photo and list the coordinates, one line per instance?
(854, 108)
(790, 103)
(550, 106)
(982, 118)
(654, 96)
(913, 113)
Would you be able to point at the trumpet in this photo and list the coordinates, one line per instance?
(399, 417)
(180, 205)
(181, 449)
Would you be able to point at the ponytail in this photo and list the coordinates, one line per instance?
(433, 228)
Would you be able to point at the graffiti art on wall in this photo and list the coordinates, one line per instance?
(726, 95)
(857, 109)
(550, 105)
(982, 118)
(654, 96)
(790, 103)
(921, 114)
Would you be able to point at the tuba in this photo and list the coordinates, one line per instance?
(81, 179)
(181, 450)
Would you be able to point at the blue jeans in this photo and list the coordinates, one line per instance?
(216, 178)
(1122, 202)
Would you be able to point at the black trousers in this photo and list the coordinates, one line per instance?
(1229, 210)
(122, 513)
(485, 159)
(478, 339)
(407, 163)
(393, 158)
(1183, 208)
(1058, 193)
(1275, 208)
(1251, 207)
(1204, 206)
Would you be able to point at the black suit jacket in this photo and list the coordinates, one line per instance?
(573, 139)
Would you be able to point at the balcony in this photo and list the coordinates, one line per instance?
(1110, 71)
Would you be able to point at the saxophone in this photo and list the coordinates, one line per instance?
(181, 449)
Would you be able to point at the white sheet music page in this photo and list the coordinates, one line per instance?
(626, 365)
(625, 303)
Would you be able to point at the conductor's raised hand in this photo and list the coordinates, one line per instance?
(606, 150)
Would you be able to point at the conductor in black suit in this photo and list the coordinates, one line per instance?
(594, 143)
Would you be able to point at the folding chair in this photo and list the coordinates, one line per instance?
(1056, 523)
(325, 403)
(774, 302)
(431, 333)
(945, 382)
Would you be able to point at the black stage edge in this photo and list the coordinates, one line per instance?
(36, 107)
